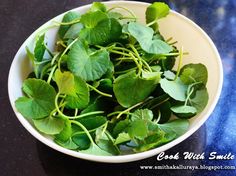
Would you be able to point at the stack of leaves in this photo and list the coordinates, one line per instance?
(110, 84)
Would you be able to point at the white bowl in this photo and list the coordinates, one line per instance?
(187, 33)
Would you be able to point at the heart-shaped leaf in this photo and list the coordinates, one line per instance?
(49, 125)
(39, 100)
(176, 89)
(89, 65)
(144, 35)
(131, 89)
(194, 73)
(156, 11)
(184, 111)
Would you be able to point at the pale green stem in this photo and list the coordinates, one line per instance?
(180, 63)
(64, 52)
(51, 74)
(118, 52)
(85, 130)
(98, 91)
(139, 65)
(127, 110)
(74, 117)
(119, 7)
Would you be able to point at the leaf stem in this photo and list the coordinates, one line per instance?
(188, 96)
(151, 23)
(98, 91)
(127, 10)
(129, 109)
(54, 58)
(138, 64)
(51, 74)
(48, 50)
(141, 59)
(118, 52)
(74, 117)
(85, 130)
(64, 52)
(156, 105)
(180, 62)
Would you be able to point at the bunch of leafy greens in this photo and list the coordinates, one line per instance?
(111, 83)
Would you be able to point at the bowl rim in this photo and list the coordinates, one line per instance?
(128, 157)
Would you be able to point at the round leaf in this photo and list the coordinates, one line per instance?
(175, 89)
(80, 99)
(131, 89)
(194, 73)
(85, 64)
(39, 101)
(184, 111)
(144, 35)
(49, 125)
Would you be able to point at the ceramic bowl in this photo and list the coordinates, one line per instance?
(189, 35)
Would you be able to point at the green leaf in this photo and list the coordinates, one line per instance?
(95, 150)
(73, 31)
(99, 104)
(168, 63)
(81, 140)
(200, 100)
(138, 129)
(68, 17)
(156, 11)
(144, 35)
(122, 138)
(98, 6)
(69, 144)
(151, 75)
(131, 89)
(103, 32)
(120, 127)
(144, 114)
(39, 100)
(105, 142)
(91, 19)
(80, 99)
(39, 49)
(115, 15)
(29, 54)
(176, 89)
(66, 133)
(154, 140)
(184, 111)
(86, 64)
(169, 75)
(65, 82)
(49, 125)
(165, 112)
(194, 73)
(178, 126)
(92, 122)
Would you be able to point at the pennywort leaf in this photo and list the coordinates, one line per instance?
(68, 17)
(156, 11)
(175, 89)
(87, 64)
(144, 35)
(130, 88)
(191, 73)
(39, 99)
(49, 125)
(184, 111)
(40, 48)
(178, 126)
